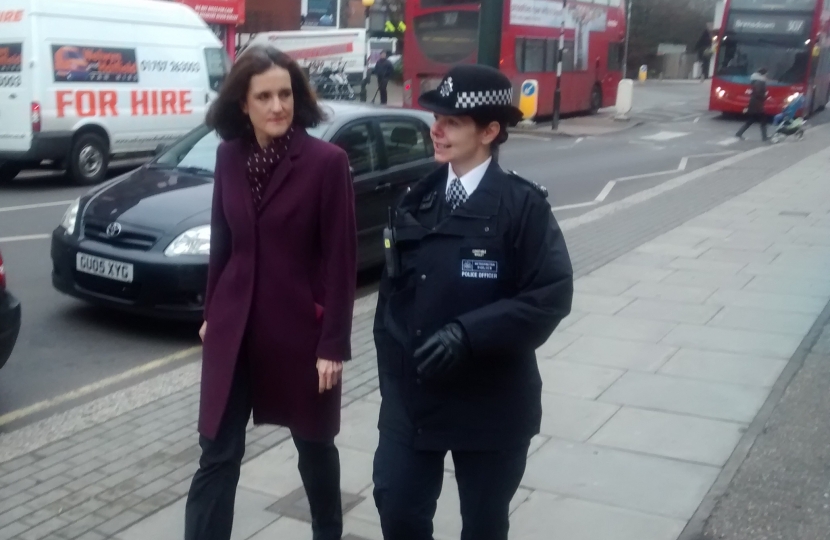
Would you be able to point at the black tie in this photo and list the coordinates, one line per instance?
(456, 195)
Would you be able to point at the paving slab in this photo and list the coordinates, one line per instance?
(709, 280)
(621, 327)
(577, 380)
(807, 305)
(747, 370)
(617, 270)
(619, 478)
(550, 517)
(666, 310)
(763, 320)
(600, 304)
(573, 418)
(602, 285)
(734, 341)
(706, 399)
(616, 353)
(674, 293)
(670, 435)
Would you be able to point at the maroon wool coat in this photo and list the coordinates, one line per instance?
(281, 286)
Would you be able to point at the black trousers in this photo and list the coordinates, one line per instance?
(759, 118)
(408, 483)
(210, 503)
(382, 89)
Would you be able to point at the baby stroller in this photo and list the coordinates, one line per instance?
(786, 123)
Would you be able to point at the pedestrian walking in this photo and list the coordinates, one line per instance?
(755, 109)
(704, 50)
(280, 293)
(477, 277)
(384, 71)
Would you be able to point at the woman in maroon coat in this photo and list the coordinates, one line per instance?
(280, 293)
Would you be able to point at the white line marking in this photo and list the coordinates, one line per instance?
(616, 206)
(605, 191)
(579, 140)
(729, 141)
(532, 137)
(686, 117)
(645, 175)
(683, 163)
(94, 387)
(714, 154)
(664, 136)
(33, 206)
(572, 206)
(24, 238)
(696, 120)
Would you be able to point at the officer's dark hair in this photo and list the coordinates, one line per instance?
(225, 114)
(484, 120)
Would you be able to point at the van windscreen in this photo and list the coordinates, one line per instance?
(218, 66)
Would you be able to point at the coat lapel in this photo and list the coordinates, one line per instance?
(284, 168)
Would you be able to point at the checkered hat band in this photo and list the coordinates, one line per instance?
(470, 100)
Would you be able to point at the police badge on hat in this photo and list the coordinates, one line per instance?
(473, 90)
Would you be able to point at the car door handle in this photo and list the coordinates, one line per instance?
(383, 187)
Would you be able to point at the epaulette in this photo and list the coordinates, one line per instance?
(542, 190)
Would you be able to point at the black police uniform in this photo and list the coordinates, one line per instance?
(498, 267)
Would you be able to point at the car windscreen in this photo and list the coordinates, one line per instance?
(196, 152)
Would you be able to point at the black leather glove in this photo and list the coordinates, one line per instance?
(443, 353)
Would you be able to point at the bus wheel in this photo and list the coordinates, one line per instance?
(8, 171)
(88, 159)
(596, 99)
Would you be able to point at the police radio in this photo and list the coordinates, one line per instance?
(390, 249)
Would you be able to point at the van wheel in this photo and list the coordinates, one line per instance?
(596, 99)
(8, 171)
(88, 159)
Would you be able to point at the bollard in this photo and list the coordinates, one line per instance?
(625, 97)
(643, 75)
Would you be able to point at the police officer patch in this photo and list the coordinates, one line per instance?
(478, 269)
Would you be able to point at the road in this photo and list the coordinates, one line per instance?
(66, 345)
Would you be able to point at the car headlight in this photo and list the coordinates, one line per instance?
(793, 97)
(71, 216)
(196, 241)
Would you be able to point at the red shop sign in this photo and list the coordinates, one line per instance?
(219, 11)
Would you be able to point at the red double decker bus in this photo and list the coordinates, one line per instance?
(446, 32)
(791, 38)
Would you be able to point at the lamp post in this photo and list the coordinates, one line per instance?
(367, 5)
(557, 93)
(627, 34)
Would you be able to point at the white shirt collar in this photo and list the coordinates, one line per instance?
(472, 179)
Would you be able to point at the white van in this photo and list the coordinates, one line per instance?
(316, 50)
(84, 80)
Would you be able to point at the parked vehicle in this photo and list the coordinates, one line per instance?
(9, 318)
(316, 50)
(84, 80)
(140, 242)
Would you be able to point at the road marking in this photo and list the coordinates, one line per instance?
(729, 141)
(605, 191)
(645, 175)
(664, 136)
(96, 386)
(616, 206)
(572, 206)
(33, 206)
(532, 137)
(696, 120)
(579, 140)
(683, 163)
(24, 238)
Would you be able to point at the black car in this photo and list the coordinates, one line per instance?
(141, 241)
(9, 318)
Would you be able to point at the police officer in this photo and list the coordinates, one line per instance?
(477, 277)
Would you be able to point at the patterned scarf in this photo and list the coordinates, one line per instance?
(262, 162)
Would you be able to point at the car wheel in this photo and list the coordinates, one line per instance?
(8, 171)
(88, 159)
(596, 99)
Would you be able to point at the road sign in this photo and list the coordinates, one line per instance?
(529, 99)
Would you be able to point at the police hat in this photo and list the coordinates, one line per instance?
(474, 90)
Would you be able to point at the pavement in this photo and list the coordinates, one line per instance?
(695, 301)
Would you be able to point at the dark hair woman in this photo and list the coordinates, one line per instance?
(280, 294)
(479, 278)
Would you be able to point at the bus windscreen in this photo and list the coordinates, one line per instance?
(741, 56)
(774, 5)
(447, 37)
